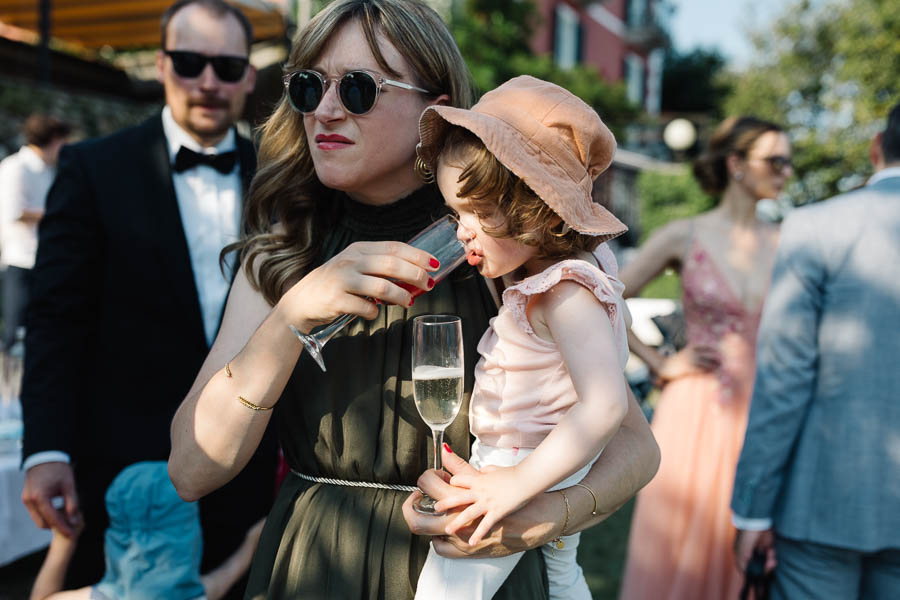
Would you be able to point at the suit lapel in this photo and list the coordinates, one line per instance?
(247, 164)
(165, 219)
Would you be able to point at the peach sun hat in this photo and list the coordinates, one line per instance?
(546, 136)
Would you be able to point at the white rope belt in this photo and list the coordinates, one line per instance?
(362, 484)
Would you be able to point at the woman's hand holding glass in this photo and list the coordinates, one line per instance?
(445, 253)
(354, 279)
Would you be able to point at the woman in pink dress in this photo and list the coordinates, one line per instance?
(681, 534)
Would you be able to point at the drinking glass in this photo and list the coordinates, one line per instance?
(439, 240)
(437, 373)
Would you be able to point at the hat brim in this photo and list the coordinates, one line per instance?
(535, 167)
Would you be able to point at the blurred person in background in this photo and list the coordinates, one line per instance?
(128, 290)
(25, 178)
(681, 534)
(817, 487)
(153, 546)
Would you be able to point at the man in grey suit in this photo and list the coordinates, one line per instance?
(818, 480)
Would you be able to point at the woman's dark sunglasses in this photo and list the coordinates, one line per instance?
(190, 64)
(358, 90)
(779, 163)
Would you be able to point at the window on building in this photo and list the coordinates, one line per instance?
(636, 14)
(566, 37)
(634, 78)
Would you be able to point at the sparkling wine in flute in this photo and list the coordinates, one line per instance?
(438, 239)
(437, 373)
(438, 394)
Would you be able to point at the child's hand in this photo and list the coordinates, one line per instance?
(491, 494)
(65, 542)
(76, 522)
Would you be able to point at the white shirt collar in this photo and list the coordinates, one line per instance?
(31, 158)
(176, 137)
(884, 174)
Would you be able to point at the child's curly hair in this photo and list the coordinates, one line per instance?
(492, 189)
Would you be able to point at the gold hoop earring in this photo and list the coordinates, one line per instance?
(423, 171)
(563, 230)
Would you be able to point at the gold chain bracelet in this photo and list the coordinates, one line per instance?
(558, 542)
(252, 406)
(243, 400)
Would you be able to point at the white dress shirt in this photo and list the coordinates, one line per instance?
(25, 180)
(209, 203)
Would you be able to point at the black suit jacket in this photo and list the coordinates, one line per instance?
(114, 328)
(114, 333)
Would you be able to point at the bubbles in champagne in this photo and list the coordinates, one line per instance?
(438, 393)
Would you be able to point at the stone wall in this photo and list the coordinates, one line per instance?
(91, 115)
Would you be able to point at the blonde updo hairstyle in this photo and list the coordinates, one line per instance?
(286, 189)
(734, 136)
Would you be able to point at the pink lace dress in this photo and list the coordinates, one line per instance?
(680, 547)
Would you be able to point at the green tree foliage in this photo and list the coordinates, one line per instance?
(494, 36)
(694, 82)
(665, 197)
(829, 70)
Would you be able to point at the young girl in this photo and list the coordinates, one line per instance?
(153, 546)
(517, 169)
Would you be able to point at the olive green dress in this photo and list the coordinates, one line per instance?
(358, 422)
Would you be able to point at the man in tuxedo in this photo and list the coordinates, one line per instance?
(128, 292)
(818, 481)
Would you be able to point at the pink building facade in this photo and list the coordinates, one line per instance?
(623, 39)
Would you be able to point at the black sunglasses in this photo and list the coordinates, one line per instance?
(779, 163)
(358, 90)
(190, 64)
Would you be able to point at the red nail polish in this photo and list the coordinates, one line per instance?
(434, 263)
(447, 448)
(412, 301)
(430, 283)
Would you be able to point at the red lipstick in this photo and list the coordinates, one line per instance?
(332, 141)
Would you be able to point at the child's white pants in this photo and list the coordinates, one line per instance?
(473, 578)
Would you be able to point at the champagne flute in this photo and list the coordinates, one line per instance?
(439, 240)
(437, 373)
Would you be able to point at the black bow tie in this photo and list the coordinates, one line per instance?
(188, 159)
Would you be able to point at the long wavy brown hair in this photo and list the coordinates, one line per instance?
(286, 189)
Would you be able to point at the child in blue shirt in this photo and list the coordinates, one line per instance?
(153, 546)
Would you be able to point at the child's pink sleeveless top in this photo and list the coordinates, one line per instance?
(522, 386)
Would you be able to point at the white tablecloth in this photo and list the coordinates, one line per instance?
(19, 535)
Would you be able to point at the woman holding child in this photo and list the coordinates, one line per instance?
(336, 192)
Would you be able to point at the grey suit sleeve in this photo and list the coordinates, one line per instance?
(787, 355)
